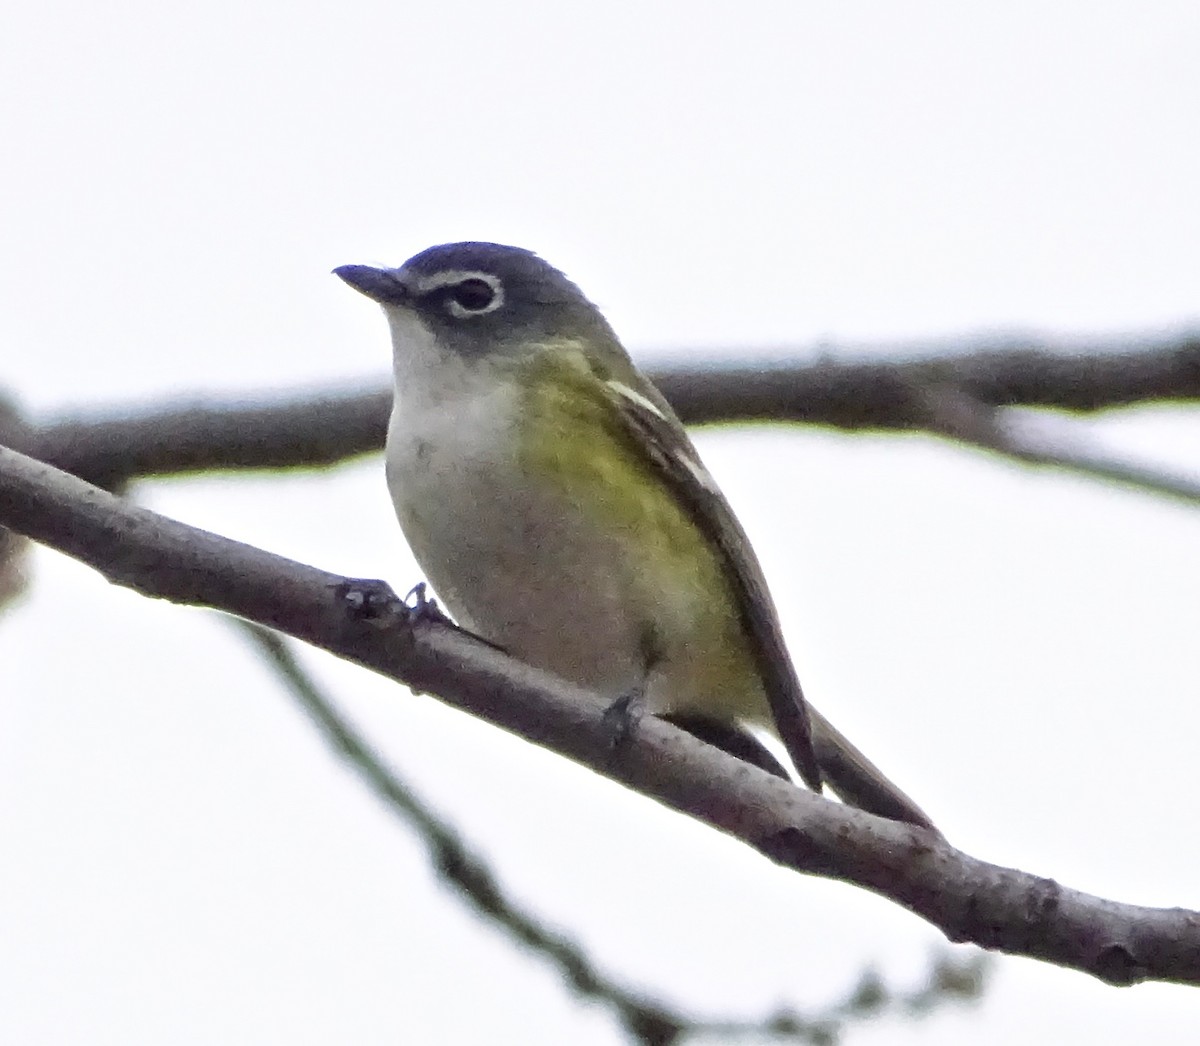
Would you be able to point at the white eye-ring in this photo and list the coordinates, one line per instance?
(466, 294)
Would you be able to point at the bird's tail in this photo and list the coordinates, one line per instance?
(857, 780)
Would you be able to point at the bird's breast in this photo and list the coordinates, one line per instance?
(511, 559)
(566, 551)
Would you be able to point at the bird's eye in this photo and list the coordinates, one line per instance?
(472, 295)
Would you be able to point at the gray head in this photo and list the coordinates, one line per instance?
(483, 298)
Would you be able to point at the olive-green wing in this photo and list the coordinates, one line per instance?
(675, 459)
(818, 750)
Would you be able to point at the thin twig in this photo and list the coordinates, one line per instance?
(454, 861)
(952, 412)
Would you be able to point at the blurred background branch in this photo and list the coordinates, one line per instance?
(321, 429)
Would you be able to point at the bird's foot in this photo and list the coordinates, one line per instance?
(371, 601)
(622, 716)
(424, 607)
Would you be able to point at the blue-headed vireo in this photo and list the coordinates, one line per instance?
(560, 511)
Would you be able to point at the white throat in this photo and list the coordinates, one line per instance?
(423, 369)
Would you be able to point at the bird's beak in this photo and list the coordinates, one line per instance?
(382, 285)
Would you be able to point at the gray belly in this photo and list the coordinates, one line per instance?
(515, 565)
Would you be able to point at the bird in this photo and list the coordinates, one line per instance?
(560, 512)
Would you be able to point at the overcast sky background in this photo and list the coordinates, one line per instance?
(183, 861)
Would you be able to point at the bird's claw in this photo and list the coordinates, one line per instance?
(370, 600)
(622, 716)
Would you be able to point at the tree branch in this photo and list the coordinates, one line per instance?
(14, 548)
(952, 412)
(879, 394)
(312, 431)
(322, 429)
(968, 899)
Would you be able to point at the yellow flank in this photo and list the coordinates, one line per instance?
(586, 456)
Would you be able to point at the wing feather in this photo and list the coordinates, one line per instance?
(817, 748)
(676, 461)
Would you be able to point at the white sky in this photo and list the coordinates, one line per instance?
(182, 859)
